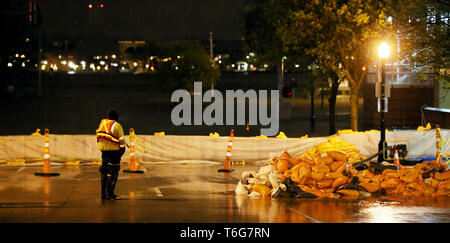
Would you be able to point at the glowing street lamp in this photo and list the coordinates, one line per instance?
(383, 51)
(382, 92)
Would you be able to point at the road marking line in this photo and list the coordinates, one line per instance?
(158, 192)
(20, 169)
(306, 216)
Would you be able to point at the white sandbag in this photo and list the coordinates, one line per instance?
(254, 194)
(275, 179)
(266, 170)
(241, 190)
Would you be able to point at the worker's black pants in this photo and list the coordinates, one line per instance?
(109, 172)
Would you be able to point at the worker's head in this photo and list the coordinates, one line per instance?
(113, 115)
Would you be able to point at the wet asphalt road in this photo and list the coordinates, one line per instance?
(185, 193)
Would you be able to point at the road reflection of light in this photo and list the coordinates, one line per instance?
(401, 214)
(229, 198)
(264, 209)
(46, 185)
(131, 209)
(380, 214)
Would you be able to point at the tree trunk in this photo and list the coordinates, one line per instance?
(332, 104)
(313, 115)
(354, 104)
(280, 74)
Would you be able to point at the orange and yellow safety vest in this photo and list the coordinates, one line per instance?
(105, 132)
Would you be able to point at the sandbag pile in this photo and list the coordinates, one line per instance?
(326, 171)
(425, 179)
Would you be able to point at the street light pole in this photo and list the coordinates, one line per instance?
(381, 94)
(382, 143)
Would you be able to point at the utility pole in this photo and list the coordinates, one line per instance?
(39, 62)
(34, 18)
(280, 70)
(212, 57)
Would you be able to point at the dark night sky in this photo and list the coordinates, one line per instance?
(144, 19)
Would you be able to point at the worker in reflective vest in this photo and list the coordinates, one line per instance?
(111, 143)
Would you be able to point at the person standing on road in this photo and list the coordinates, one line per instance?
(111, 142)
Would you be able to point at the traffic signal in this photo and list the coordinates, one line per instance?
(287, 92)
(34, 12)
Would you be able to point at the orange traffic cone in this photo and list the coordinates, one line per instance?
(248, 127)
(46, 170)
(132, 158)
(226, 167)
(396, 159)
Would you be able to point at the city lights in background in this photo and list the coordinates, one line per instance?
(114, 63)
(93, 5)
(121, 62)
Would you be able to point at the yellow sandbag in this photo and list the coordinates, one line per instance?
(336, 155)
(370, 187)
(335, 165)
(281, 135)
(282, 165)
(321, 168)
(294, 161)
(303, 174)
(75, 162)
(421, 128)
(261, 189)
(333, 175)
(349, 193)
(339, 182)
(390, 183)
(16, 162)
(371, 131)
(318, 176)
(347, 131)
(341, 168)
(37, 133)
(442, 176)
(324, 183)
(325, 160)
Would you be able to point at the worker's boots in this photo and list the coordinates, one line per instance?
(112, 181)
(104, 192)
(104, 182)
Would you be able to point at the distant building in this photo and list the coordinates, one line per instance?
(125, 45)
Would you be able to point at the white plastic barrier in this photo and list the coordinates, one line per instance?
(205, 148)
